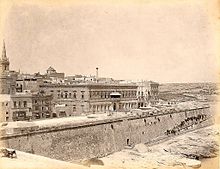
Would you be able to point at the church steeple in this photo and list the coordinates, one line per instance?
(4, 61)
(4, 56)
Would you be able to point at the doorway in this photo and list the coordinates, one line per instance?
(128, 142)
(114, 107)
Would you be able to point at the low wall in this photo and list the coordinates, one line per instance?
(101, 138)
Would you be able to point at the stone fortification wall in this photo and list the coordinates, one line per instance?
(98, 139)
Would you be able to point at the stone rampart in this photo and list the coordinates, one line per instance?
(74, 142)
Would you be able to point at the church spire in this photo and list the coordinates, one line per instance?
(4, 56)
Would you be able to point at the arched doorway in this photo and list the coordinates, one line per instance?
(54, 115)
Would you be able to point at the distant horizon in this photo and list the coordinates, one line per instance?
(43, 73)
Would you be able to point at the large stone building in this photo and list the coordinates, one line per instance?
(91, 98)
(147, 93)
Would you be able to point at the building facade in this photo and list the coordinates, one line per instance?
(41, 105)
(5, 107)
(70, 100)
(25, 106)
(147, 93)
(21, 106)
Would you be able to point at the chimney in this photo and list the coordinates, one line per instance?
(97, 74)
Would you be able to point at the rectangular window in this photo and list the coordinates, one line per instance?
(82, 94)
(74, 108)
(74, 95)
(15, 104)
(25, 103)
(66, 95)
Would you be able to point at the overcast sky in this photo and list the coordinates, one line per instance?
(163, 42)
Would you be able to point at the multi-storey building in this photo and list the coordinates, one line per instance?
(147, 93)
(5, 107)
(153, 92)
(21, 106)
(41, 105)
(90, 98)
(27, 83)
(26, 106)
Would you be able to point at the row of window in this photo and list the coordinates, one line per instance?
(41, 108)
(42, 101)
(93, 94)
(23, 104)
(20, 104)
(107, 106)
(66, 95)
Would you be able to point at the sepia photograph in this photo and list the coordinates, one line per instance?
(130, 84)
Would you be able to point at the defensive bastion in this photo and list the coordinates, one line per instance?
(71, 140)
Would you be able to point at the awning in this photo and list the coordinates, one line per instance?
(115, 94)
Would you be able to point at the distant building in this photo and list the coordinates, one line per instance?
(27, 82)
(55, 77)
(147, 93)
(42, 105)
(25, 106)
(7, 78)
(106, 80)
(21, 106)
(90, 98)
(153, 92)
(32, 81)
(79, 79)
(90, 79)
(5, 107)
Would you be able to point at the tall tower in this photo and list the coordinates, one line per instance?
(4, 61)
(5, 79)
